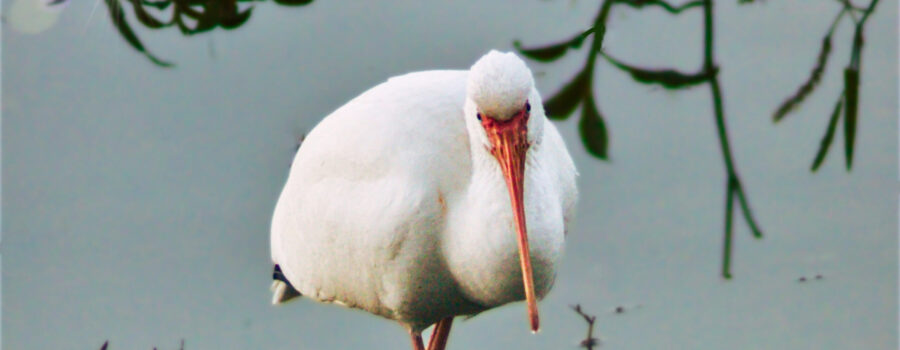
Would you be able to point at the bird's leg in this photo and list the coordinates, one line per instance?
(417, 340)
(440, 334)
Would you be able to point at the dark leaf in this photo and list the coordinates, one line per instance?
(666, 6)
(792, 102)
(183, 27)
(555, 51)
(543, 54)
(593, 129)
(561, 105)
(668, 78)
(105, 345)
(118, 19)
(829, 135)
(144, 17)
(185, 8)
(159, 5)
(212, 14)
(237, 19)
(293, 2)
(851, 97)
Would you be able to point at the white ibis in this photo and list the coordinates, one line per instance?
(432, 195)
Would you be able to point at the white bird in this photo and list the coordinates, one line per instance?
(412, 200)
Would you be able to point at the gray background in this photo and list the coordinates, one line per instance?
(136, 200)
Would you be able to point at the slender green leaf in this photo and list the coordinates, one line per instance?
(552, 52)
(730, 189)
(237, 19)
(561, 105)
(185, 8)
(668, 78)
(118, 19)
(665, 6)
(829, 135)
(293, 2)
(851, 97)
(159, 5)
(807, 88)
(212, 14)
(144, 17)
(593, 129)
(543, 54)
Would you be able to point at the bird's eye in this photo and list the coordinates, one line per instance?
(478, 116)
(527, 107)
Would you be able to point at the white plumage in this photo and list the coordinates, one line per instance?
(396, 205)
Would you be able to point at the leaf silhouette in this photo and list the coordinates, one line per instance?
(543, 54)
(118, 19)
(185, 8)
(105, 345)
(561, 105)
(807, 88)
(668, 78)
(293, 2)
(212, 13)
(159, 5)
(144, 17)
(593, 129)
(638, 4)
(237, 19)
(829, 135)
(851, 97)
(552, 52)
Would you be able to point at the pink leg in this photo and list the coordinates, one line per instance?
(417, 341)
(440, 334)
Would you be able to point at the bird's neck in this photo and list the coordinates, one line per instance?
(481, 246)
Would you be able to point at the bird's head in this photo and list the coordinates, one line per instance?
(500, 92)
(505, 116)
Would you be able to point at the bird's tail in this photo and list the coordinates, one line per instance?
(282, 290)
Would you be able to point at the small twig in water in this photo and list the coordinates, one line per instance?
(589, 341)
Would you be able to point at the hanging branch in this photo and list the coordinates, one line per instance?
(815, 76)
(118, 19)
(579, 89)
(848, 100)
(733, 186)
(206, 15)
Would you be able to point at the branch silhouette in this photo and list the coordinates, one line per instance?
(594, 133)
(206, 15)
(848, 100)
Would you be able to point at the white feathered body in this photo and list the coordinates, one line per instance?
(390, 208)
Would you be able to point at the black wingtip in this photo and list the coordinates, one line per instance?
(278, 275)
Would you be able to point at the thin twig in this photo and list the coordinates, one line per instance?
(589, 341)
(733, 180)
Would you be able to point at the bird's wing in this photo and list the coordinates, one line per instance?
(364, 191)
